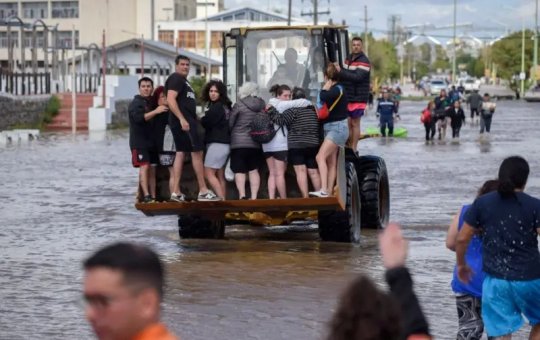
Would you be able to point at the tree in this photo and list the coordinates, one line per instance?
(383, 58)
(506, 54)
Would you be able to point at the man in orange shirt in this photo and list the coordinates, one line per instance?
(123, 289)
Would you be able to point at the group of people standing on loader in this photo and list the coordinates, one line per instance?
(304, 134)
(446, 110)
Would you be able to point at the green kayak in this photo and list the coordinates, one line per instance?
(375, 131)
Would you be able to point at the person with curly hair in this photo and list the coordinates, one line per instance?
(217, 136)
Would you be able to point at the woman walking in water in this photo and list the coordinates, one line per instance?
(428, 119)
(469, 295)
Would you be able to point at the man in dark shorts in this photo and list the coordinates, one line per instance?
(144, 154)
(184, 127)
(355, 77)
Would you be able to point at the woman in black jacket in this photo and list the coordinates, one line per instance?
(217, 136)
(457, 118)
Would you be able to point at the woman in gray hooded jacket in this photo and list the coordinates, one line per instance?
(246, 154)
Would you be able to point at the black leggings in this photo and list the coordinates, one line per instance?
(473, 111)
(455, 131)
(430, 130)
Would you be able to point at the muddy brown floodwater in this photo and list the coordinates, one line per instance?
(62, 197)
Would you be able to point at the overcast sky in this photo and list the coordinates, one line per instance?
(497, 14)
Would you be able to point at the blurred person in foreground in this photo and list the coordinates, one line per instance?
(123, 290)
(469, 295)
(509, 222)
(367, 313)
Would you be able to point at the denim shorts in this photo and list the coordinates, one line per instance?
(504, 302)
(337, 132)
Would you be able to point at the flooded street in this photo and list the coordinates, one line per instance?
(62, 197)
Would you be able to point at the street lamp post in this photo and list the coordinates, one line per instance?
(9, 22)
(535, 52)
(142, 55)
(45, 45)
(522, 74)
(206, 37)
(454, 45)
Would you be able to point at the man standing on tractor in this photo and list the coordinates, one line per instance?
(184, 127)
(355, 77)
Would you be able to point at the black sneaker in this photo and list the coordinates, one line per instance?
(148, 199)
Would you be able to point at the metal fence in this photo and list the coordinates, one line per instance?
(21, 83)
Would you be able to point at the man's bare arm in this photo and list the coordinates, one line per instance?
(173, 106)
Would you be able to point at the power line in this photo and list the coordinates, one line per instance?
(315, 13)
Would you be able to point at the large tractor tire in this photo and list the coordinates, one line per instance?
(374, 192)
(343, 226)
(193, 226)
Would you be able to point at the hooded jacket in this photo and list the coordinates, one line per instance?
(241, 116)
(355, 77)
(140, 131)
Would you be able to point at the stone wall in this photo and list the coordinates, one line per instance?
(21, 110)
(120, 116)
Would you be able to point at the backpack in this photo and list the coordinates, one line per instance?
(323, 111)
(426, 116)
(261, 128)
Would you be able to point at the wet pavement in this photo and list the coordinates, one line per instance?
(62, 197)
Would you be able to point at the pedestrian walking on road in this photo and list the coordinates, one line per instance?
(509, 222)
(469, 295)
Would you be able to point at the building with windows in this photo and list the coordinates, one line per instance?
(55, 26)
(194, 35)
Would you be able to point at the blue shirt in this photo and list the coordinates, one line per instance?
(474, 260)
(386, 108)
(509, 233)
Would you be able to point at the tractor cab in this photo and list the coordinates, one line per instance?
(292, 55)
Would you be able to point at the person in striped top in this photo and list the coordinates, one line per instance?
(303, 140)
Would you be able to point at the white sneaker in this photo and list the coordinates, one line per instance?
(208, 196)
(320, 193)
(177, 198)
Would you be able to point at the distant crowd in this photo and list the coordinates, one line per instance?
(446, 111)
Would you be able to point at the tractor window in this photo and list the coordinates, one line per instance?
(292, 57)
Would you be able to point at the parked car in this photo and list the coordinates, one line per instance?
(436, 85)
(471, 84)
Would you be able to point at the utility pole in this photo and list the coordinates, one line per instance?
(535, 52)
(522, 74)
(103, 69)
(366, 19)
(142, 55)
(315, 13)
(454, 45)
(289, 13)
(73, 85)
